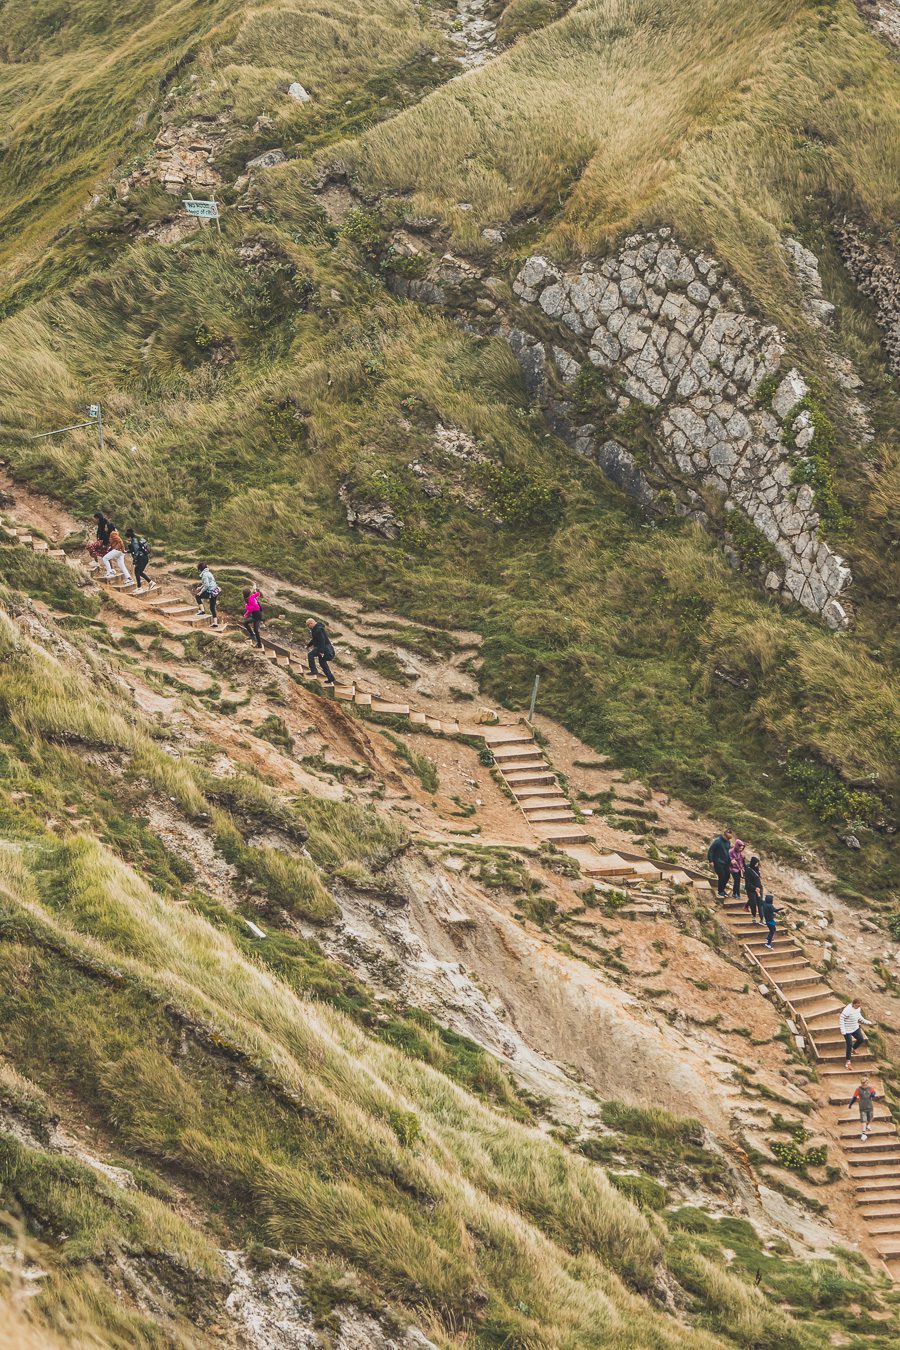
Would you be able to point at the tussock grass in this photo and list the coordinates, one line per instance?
(706, 115)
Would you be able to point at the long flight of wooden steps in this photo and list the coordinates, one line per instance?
(873, 1164)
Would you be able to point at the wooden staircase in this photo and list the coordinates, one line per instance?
(873, 1165)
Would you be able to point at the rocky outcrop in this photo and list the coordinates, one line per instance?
(183, 160)
(876, 271)
(668, 331)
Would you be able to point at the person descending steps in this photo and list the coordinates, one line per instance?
(851, 1017)
(866, 1095)
(140, 556)
(319, 648)
(753, 888)
(252, 616)
(115, 553)
(768, 913)
(207, 590)
(736, 867)
(719, 857)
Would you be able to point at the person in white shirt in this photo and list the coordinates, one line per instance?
(851, 1016)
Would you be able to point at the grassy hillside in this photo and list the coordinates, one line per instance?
(254, 382)
(257, 1101)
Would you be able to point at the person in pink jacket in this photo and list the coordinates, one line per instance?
(736, 863)
(252, 616)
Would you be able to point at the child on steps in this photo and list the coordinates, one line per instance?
(866, 1095)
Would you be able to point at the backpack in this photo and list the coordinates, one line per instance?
(329, 651)
(141, 549)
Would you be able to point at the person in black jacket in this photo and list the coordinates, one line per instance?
(754, 889)
(719, 856)
(319, 648)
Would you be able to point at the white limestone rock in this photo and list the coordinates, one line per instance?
(792, 389)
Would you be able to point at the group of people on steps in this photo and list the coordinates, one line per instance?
(726, 855)
(109, 548)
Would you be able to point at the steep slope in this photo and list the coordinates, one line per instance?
(536, 339)
(176, 1091)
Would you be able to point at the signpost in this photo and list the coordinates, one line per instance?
(537, 680)
(203, 210)
(95, 419)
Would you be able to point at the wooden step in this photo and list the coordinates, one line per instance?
(529, 794)
(530, 779)
(554, 803)
(814, 995)
(40, 546)
(176, 610)
(433, 723)
(795, 982)
(344, 692)
(362, 700)
(610, 865)
(887, 1247)
(450, 728)
(879, 1192)
(886, 1208)
(551, 817)
(417, 719)
(561, 834)
(507, 736)
(780, 945)
(838, 1071)
(833, 1057)
(57, 552)
(823, 1017)
(527, 766)
(887, 1228)
(887, 1158)
(881, 1117)
(503, 754)
(393, 709)
(881, 1129)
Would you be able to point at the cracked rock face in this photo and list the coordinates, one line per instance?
(670, 331)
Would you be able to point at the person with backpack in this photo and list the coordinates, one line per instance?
(207, 590)
(100, 543)
(140, 556)
(719, 857)
(115, 553)
(252, 616)
(736, 867)
(866, 1096)
(753, 889)
(319, 648)
(768, 913)
(851, 1017)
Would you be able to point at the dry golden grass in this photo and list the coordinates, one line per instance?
(720, 118)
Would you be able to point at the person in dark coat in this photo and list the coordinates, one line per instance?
(719, 857)
(320, 649)
(753, 888)
(100, 543)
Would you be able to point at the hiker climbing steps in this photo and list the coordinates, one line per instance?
(873, 1163)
